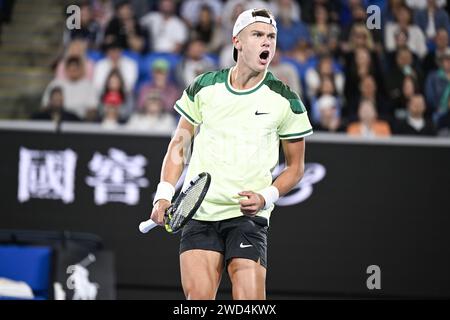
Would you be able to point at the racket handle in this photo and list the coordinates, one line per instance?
(147, 225)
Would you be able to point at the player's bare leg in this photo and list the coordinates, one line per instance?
(201, 271)
(248, 279)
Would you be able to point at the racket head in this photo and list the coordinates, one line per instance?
(187, 203)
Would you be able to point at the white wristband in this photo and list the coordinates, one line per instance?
(270, 195)
(165, 191)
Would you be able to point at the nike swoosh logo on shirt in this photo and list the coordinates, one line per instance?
(245, 245)
(260, 113)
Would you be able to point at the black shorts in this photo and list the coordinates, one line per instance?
(241, 237)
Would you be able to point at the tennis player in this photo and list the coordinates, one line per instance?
(241, 113)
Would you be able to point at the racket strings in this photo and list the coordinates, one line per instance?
(187, 203)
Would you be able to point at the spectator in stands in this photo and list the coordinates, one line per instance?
(115, 60)
(360, 58)
(329, 116)
(110, 108)
(401, 42)
(415, 122)
(437, 88)
(89, 29)
(432, 18)
(368, 125)
(142, 7)
(168, 32)
(326, 88)
(290, 32)
(231, 10)
(324, 68)
(153, 117)
(125, 30)
(76, 48)
(161, 85)
(103, 11)
(359, 18)
(347, 11)
(286, 72)
(194, 63)
(422, 4)
(191, 10)
(116, 105)
(79, 94)
(55, 109)
(389, 12)
(443, 126)
(360, 63)
(303, 57)
(276, 5)
(324, 34)
(359, 37)
(404, 67)
(368, 91)
(416, 38)
(308, 10)
(410, 88)
(441, 43)
(207, 30)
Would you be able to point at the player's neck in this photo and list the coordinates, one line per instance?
(243, 78)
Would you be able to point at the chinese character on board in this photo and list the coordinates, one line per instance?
(117, 177)
(46, 174)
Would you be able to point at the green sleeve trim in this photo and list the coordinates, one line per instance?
(205, 80)
(296, 135)
(283, 90)
(183, 113)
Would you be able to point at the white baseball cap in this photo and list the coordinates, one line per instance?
(248, 17)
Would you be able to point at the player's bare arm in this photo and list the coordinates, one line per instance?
(173, 164)
(294, 153)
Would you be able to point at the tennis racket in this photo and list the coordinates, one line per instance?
(184, 207)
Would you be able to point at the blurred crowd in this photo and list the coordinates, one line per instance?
(6, 7)
(130, 61)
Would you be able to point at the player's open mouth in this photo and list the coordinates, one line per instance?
(264, 57)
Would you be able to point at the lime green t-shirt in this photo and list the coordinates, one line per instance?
(238, 138)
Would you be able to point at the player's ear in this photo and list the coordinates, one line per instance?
(237, 43)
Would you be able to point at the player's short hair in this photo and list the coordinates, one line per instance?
(262, 13)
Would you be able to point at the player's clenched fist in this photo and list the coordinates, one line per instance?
(159, 210)
(252, 204)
